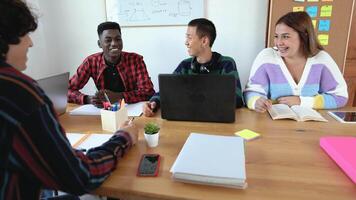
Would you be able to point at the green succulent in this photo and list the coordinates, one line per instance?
(151, 128)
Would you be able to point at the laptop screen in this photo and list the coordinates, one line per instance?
(207, 97)
(56, 88)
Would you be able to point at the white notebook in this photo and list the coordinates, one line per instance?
(211, 160)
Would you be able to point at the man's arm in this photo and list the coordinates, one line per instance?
(77, 82)
(44, 151)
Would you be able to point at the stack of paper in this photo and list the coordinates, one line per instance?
(211, 160)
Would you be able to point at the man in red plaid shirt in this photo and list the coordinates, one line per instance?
(116, 73)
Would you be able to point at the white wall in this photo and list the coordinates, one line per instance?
(67, 34)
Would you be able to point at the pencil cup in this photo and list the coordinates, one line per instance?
(112, 120)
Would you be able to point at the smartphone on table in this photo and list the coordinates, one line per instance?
(149, 165)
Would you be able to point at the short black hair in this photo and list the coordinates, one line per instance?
(15, 22)
(108, 25)
(205, 27)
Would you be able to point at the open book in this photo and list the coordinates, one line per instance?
(87, 141)
(211, 160)
(298, 113)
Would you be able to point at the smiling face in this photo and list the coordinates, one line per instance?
(17, 54)
(111, 43)
(193, 42)
(287, 41)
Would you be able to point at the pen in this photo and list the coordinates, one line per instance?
(106, 97)
(131, 120)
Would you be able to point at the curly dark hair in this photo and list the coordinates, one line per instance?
(15, 22)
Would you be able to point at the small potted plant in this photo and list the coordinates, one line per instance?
(152, 134)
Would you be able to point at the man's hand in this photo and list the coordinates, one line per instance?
(93, 99)
(148, 108)
(132, 130)
(113, 96)
(289, 100)
(262, 105)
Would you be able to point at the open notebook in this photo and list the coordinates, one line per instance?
(87, 141)
(211, 160)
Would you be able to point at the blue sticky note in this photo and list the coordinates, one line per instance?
(312, 11)
(324, 25)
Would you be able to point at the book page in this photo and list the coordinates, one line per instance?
(74, 138)
(135, 109)
(94, 140)
(305, 114)
(282, 111)
(87, 109)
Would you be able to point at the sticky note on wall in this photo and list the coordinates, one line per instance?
(326, 10)
(314, 23)
(323, 39)
(312, 11)
(298, 8)
(313, 0)
(324, 25)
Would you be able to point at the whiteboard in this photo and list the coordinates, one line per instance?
(153, 12)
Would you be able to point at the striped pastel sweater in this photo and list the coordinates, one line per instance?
(321, 86)
(34, 151)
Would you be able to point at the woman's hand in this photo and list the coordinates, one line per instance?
(262, 104)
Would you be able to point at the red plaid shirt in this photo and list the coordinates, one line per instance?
(133, 72)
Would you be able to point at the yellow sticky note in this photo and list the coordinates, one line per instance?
(326, 10)
(323, 39)
(327, 0)
(313, 0)
(298, 8)
(314, 23)
(247, 134)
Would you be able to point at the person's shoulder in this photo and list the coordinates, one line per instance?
(94, 57)
(321, 55)
(267, 55)
(187, 60)
(131, 55)
(184, 66)
(323, 58)
(23, 86)
(268, 52)
(224, 58)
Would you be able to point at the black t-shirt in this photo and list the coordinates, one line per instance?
(112, 79)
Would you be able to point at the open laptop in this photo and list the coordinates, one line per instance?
(207, 98)
(56, 88)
